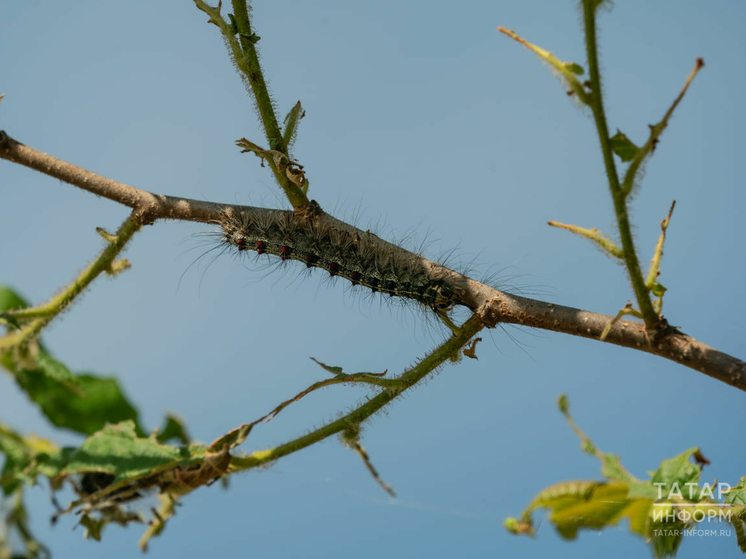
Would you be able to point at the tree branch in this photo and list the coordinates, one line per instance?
(491, 305)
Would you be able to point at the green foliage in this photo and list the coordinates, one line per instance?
(113, 466)
(80, 402)
(117, 455)
(99, 401)
(660, 509)
(120, 461)
(623, 147)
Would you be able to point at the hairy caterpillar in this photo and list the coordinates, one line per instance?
(360, 257)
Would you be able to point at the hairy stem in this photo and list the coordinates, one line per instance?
(408, 379)
(256, 77)
(244, 54)
(58, 303)
(620, 202)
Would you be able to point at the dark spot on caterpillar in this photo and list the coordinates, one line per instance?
(260, 247)
(373, 284)
(311, 259)
(355, 277)
(430, 295)
(333, 268)
(241, 243)
(390, 286)
(285, 252)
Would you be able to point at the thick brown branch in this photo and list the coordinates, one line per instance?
(493, 306)
(148, 206)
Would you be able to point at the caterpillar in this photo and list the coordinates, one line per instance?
(360, 257)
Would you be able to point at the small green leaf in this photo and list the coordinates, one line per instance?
(337, 371)
(623, 147)
(737, 495)
(575, 68)
(292, 120)
(588, 447)
(10, 299)
(675, 473)
(564, 404)
(93, 527)
(658, 290)
(233, 23)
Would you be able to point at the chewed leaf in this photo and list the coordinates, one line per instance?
(116, 466)
(119, 451)
(100, 401)
(623, 147)
(658, 509)
(577, 505)
(604, 506)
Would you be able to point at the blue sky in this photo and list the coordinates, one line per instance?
(421, 121)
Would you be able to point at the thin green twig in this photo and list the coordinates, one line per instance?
(408, 379)
(44, 314)
(655, 132)
(568, 71)
(240, 40)
(598, 237)
(620, 202)
(655, 263)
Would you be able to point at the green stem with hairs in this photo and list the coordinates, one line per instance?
(256, 77)
(244, 54)
(620, 201)
(408, 379)
(44, 314)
